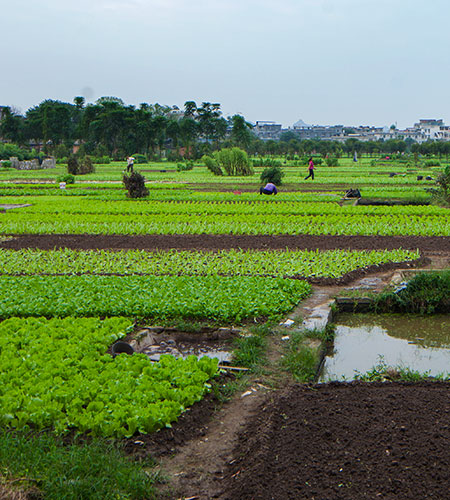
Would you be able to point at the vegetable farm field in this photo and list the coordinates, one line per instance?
(85, 266)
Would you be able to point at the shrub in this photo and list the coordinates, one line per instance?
(135, 185)
(67, 178)
(188, 165)
(441, 194)
(266, 162)
(212, 165)
(72, 165)
(272, 174)
(85, 166)
(9, 150)
(234, 161)
(102, 160)
(332, 161)
(140, 158)
(5, 164)
(426, 293)
(80, 166)
(431, 163)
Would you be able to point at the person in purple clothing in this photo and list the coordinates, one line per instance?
(269, 188)
(310, 168)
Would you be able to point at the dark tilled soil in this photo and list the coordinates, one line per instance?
(431, 244)
(345, 441)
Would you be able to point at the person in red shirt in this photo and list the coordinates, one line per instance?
(310, 169)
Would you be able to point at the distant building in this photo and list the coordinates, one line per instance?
(267, 130)
(317, 132)
(432, 129)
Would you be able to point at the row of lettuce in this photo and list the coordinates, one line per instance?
(237, 262)
(324, 204)
(189, 192)
(240, 224)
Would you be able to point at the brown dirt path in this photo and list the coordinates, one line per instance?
(430, 244)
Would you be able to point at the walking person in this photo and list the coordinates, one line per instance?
(269, 188)
(130, 163)
(310, 169)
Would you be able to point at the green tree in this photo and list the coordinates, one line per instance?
(240, 131)
(189, 133)
(79, 102)
(190, 109)
(11, 126)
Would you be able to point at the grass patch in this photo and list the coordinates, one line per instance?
(381, 372)
(95, 470)
(250, 352)
(325, 335)
(300, 359)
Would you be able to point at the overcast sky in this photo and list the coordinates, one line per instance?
(350, 62)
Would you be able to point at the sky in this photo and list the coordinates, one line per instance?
(348, 62)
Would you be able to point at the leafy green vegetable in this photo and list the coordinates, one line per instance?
(55, 373)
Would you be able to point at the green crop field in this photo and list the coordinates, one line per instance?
(62, 308)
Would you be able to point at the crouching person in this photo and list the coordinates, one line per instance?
(269, 188)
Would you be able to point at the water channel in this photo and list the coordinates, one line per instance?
(420, 343)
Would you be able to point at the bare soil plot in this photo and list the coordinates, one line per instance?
(340, 441)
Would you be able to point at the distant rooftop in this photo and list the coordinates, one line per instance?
(301, 124)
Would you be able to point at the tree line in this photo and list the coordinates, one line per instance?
(111, 128)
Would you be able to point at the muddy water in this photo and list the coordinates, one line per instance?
(416, 342)
(183, 350)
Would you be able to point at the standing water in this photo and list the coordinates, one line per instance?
(419, 343)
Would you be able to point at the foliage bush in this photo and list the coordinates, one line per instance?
(135, 185)
(272, 174)
(431, 163)
(72, 165)
(188, 165)
(101, 160)
(441, 194)
(426, 293)
(80, 166)
(5, 164)
(234, 161)
(211, 164)
(266, 162)
(9, 150)
(67, 178)
(332, 161)
(140, 158)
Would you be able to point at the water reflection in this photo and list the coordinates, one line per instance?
(420, 343)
